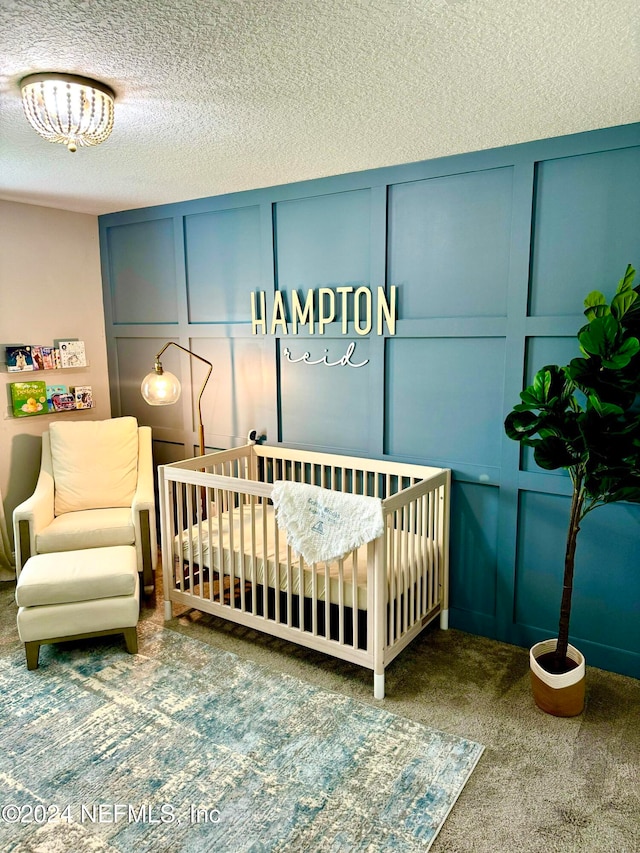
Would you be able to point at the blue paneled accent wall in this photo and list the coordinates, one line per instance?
(491, 253)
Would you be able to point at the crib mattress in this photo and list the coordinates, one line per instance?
(257, 540)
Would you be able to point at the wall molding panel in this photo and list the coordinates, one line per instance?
(492, 253)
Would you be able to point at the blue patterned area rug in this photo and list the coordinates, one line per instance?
(187, 748)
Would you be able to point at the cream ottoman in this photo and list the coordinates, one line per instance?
(71, 595)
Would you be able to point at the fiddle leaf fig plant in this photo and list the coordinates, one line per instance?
(585, 417)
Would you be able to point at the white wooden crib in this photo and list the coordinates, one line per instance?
(223, 552)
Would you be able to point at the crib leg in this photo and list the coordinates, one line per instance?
(378, 685)
(444, 620)
(168, 611)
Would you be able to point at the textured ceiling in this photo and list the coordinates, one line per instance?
(215, 96)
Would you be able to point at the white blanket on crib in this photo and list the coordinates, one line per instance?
(324, 525)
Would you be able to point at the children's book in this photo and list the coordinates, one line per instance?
(72, 354)
(42, 358)
(28, 398)
(56, 391)
(83, 396)
(19, 358)
(36, 355)
(63, 402)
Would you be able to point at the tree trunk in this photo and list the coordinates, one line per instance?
(577, 502)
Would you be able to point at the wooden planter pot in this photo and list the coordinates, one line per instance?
(560, 695)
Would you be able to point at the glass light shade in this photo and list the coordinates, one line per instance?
(160, 389)
(65, 108)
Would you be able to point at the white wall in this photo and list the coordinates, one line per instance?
(50, 287)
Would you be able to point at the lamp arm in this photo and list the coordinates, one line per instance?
(202, 387)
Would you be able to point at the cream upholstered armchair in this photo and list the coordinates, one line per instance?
(95, 490)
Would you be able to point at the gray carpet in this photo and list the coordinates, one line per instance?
(543, 785)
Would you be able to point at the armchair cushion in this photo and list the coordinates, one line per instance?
(95, 528)
(95, 463)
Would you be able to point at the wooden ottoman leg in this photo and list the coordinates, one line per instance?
(131, 639)
(32, 650)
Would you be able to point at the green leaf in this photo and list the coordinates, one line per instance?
(519, 425)
(621, 303)
(622, 355)
(604, 409)
(551, 453)
(599, 337)
(568, 385)
(610, 494)
(626, 282)
(534, 396)
(542, 384)
(626, 493)
(596, 305)
(589, 378)
(548, 432)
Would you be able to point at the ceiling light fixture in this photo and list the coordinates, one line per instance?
(69, 109)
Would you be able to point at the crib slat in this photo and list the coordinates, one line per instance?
(289, 585)
(276, 549)
(220, 505)
(370, 601)
(210, 503)
(416, 560)
(252, 466)
(432, 529)
(314, 599)
(301, 592)
(411, 565)
(241, 555)
(399, 574)
(181, 541)
(433, 581)
(265, 563)
(173, 562)
(199, 503)
(424, 559)
(392, 573)
(252, 506)
(177, 569)
(406, 573)
(354, 598)
(231, 547)
(409, 536)
(429, 549)
(190, 517)
(341, 602)
(327, 599)
(193, 554)
(404, 589)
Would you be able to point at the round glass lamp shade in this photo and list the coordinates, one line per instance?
(160, 389)
(69, 109)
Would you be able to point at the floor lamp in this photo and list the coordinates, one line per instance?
(161, 388)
